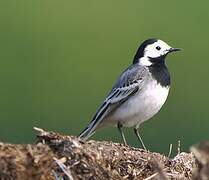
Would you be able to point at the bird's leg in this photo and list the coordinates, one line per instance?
(122, 133)
(139, 138)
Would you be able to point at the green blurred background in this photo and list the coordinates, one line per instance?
(58, 60)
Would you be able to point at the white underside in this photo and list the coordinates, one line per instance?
(140, 107)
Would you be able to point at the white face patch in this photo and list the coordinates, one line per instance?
(157, 49)
(144, 61)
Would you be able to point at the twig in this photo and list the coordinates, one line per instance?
(152, 176)
(179, 147)
(170, 150)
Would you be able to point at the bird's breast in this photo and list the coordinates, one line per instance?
(143, 105)
(153, 96)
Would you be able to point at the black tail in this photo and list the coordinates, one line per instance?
(86, 133)
(90, 129)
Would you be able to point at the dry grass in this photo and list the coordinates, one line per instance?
(67, 157)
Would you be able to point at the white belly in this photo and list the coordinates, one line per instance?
(140, 107)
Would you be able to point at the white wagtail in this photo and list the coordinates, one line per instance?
(139, 93)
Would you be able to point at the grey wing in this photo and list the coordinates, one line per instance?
(130, 81)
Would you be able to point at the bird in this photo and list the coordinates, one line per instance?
(138, 94)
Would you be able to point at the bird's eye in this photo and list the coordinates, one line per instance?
(158, 48)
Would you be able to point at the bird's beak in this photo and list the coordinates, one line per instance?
(173, 50)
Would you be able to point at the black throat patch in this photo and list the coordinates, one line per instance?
(160, 73)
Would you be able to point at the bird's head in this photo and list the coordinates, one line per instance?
(153, 51)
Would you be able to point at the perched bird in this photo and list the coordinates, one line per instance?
(139, 93)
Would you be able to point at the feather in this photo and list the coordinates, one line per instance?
(130, 81)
